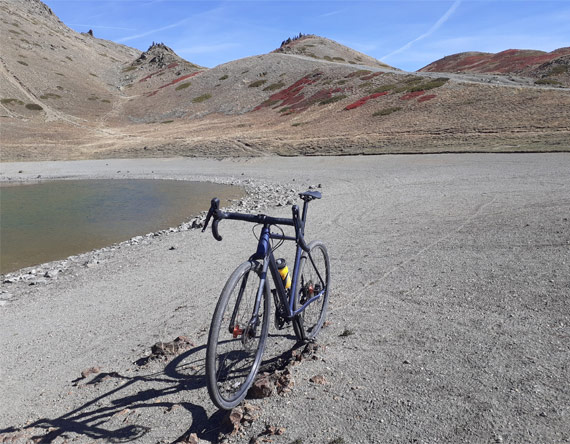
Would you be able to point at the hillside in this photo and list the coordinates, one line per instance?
(547, 68)
(66, 95)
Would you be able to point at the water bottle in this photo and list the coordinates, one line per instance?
(284, 272)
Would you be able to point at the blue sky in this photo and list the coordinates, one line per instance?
(403, 33)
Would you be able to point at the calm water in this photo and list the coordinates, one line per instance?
(53, 220)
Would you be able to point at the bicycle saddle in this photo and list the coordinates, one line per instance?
(307, 196)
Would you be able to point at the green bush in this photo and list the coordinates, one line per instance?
(8, 101)
(547, 82)
(257, 83)
(338, 59)
(183, 86)
(274, 86)
(167, 121)
(383, 88)
(556, 70)
(332, 99)
(201, 98)
(106, 101)
(224, 77)
(129, 68)
(50, 96)
(387, 111)
(34, 107)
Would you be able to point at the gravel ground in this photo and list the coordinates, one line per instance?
(448, 318)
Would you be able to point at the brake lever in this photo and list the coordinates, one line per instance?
(214, 206)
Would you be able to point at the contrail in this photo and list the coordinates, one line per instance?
(152, 31)
(434, 28)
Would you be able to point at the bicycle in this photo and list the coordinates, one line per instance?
(240, 323)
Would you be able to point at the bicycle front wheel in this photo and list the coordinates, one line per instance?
(312, 283)
(237, 336)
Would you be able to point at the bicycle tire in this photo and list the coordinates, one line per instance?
(234, 352)
(314, 277)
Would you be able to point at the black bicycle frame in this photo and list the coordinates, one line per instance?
(265, 253)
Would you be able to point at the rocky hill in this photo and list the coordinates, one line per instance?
(68, 95)
(548, 68)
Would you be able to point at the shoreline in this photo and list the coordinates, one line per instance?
(258, 196)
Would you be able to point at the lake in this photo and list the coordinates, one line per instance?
(52, 220)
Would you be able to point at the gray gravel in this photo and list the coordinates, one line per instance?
(450, 274)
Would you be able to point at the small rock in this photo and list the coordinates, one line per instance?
(273, 430)
(190, 439)
(90, 371)
(406, 361)
(318, 379)
(172, 248)
(262, 387)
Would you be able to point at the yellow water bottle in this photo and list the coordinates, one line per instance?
(284, 272)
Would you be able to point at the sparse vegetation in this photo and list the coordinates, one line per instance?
(129, 68)
(292, 39)
(224, 77)
(338, 440)
(93, 98)
(297, 124)
(332, 99)
(94, 75)
(167, 121)
(106, 101)
(274, 86)
(257, 83)
(338, 59)
(9, 101)
(387, 111)
(13, 31)
(34, 107)
(183, 86)
(59, 74)
(346, 333)
(69, 58)
(21, 62)
(201, 98)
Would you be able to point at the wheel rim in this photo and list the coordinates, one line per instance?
(236, 354)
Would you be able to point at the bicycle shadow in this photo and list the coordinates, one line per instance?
(103, 416)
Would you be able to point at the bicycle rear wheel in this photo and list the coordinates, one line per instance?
(313, 280)
(237, 337)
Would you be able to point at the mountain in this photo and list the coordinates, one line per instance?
(69, 95)
(547, 67)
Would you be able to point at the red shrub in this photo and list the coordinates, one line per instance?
(363, 100)
(426, 98)
(291, 94)
(412, 95)
(179, 79)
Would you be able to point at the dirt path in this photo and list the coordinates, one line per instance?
(449, 316)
